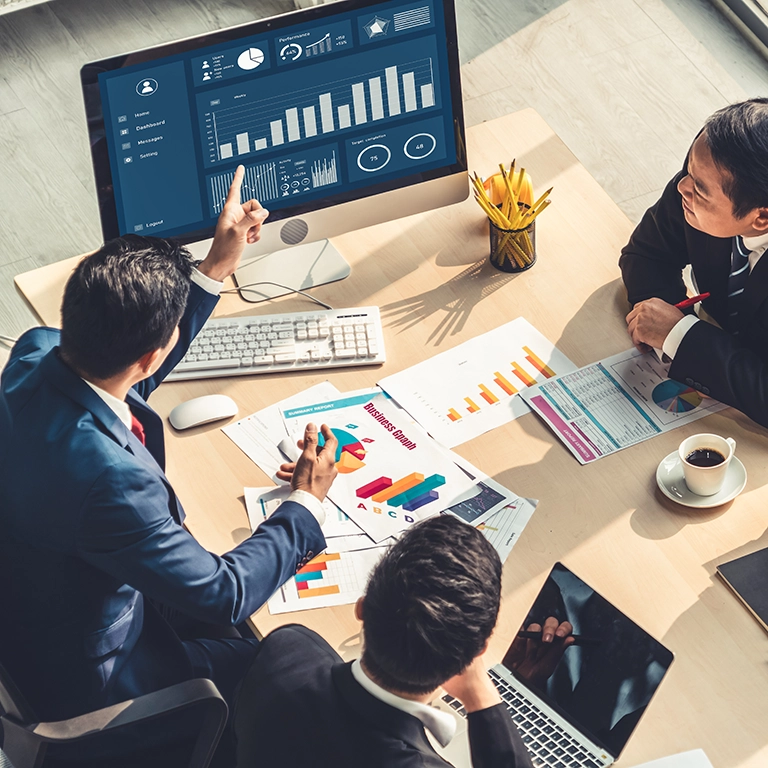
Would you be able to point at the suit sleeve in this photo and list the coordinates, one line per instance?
(653, 260)
(126, 530)
(494, 741)
(200, 304)
(714, 362)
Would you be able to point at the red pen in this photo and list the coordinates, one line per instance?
(693, 300)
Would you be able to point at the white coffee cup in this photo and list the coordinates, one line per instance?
(706, 480)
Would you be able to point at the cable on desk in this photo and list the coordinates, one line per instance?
(249, 286)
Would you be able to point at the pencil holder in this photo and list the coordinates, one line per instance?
(513, 250)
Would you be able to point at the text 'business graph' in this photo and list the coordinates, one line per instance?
(252, 126)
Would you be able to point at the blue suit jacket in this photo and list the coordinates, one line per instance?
(89, 526)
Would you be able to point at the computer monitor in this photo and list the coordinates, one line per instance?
(344, 115)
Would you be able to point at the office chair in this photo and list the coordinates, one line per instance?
(190, 715)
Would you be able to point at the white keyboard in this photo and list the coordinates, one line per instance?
(323, 338)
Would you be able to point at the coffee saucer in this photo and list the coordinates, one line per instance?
(671, 482)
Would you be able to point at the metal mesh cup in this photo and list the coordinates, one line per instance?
(513, 250)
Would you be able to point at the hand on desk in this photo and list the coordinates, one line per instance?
(239, 224)
(535, 660)
(650, 322)
(315, 469)
(473, 688)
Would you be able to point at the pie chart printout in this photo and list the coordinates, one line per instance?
(675, 397)
(250, 59)
(350, 452)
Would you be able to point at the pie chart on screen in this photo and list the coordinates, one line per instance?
(676, 398)
(251, 58)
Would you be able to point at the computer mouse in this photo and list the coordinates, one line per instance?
(202, 410)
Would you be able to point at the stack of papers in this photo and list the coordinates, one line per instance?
(391, 474)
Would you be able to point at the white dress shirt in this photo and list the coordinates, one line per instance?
(440, 724)
(123, 412)
(757, 247)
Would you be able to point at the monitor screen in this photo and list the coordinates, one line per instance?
(322, 106)
(603, 682)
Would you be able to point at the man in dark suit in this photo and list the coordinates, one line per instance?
(712, 216)
(429, 608)
(92, 549)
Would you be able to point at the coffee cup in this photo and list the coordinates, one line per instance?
(705, 459)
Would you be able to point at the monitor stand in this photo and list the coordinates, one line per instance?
(299, 267)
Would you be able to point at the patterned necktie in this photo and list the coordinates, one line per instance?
(138, 429)
(737, 281)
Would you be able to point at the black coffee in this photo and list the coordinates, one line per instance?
(705, 457)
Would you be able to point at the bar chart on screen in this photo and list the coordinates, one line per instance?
(333, 578)
(300, 173)
(243, 121)
(466, 391)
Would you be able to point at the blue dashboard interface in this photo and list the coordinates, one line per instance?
(318, 112)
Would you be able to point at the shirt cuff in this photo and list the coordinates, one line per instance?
(208, 284)
(312, 503)
(675, 336)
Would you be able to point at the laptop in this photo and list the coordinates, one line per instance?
(578, 707)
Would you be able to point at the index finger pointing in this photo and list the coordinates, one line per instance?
(233, 196)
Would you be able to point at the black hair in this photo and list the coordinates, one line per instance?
(430, 605)
(737, 137)
(123, 301)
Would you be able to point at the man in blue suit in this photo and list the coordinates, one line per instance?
(92, 549)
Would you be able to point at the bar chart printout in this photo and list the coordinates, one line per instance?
(614, 403)
(333, 578)
(466, 391)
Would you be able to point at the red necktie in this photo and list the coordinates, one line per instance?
(138, 430)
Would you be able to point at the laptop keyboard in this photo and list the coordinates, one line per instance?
(547, 742)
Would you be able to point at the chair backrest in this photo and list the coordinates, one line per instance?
(11, 700)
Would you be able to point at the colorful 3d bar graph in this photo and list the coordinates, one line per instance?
(409, 481)
(410, 492)
(313, 572)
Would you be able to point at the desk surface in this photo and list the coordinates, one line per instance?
(607, 521)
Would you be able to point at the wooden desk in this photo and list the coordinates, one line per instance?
(654, 559)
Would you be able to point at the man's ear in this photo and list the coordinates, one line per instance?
(760, 222)
(359, 609)
(148, 363)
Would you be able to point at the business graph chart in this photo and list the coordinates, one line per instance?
(297, 174)
(675, 397)
(462, 393)
(410, 492)
(333, 578)
(244, 124)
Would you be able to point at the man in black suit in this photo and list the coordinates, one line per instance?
(714, 216)
(428, 611)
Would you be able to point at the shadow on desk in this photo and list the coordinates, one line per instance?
(455, 298)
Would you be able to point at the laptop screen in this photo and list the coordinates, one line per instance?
(603, 678)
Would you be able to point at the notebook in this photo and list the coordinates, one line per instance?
(747, 576)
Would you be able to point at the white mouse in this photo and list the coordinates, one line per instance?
(202, 410)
